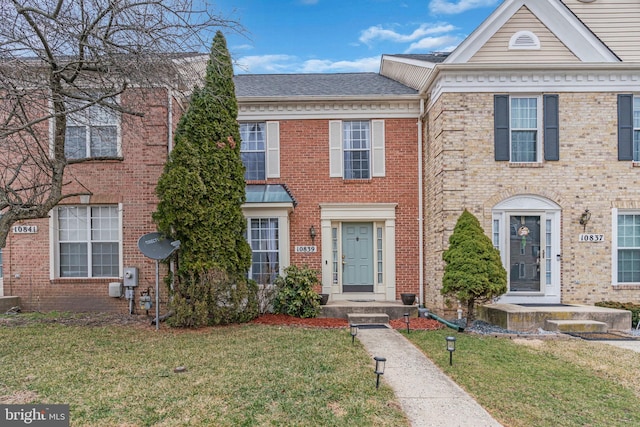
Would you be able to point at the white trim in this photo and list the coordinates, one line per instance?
(276, 109)
(528, 204)
(384, 215)
(261, 210)
(533, 79)
(554, 15)
(539, 128)
(615, 213)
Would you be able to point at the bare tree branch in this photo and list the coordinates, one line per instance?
(65, 59)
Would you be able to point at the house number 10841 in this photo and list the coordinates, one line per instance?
(591, 238)
(25, 229)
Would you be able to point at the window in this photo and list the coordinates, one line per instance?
(628, 248)
(260, 150)
(526, 128)
(88, 241)
(91, 132)
(356, 149)
(253, 151)
(264, 241)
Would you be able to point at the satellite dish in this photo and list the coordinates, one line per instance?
(157, 246)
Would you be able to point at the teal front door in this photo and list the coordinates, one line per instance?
(357, 257)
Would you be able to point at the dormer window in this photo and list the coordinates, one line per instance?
(524, 40)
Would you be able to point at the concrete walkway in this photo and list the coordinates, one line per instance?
(427, 396)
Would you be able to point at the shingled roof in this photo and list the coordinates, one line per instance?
(318, 85)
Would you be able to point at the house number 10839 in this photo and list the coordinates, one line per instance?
(591, 238)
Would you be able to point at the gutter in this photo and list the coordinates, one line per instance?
(421, 300)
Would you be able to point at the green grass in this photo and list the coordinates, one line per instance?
(249, 375)
(542, 383)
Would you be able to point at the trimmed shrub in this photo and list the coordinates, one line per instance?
(473, 272)
(295, 295)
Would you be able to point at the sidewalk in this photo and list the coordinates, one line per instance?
(427, 396)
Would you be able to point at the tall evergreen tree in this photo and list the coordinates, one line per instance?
(202, 189)
(473, 271)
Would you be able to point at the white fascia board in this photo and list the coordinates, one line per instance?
(554, 15)
(472, 44)
(408, 61)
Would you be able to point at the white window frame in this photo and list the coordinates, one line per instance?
(271, 148)
(85, 118)
(278, 241)
(538, 128)
(614, 244)
(55, 243)
(377, 162)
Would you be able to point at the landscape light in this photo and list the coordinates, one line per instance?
(380, 362)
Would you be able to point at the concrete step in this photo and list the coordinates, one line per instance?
(575, 326)
(367, 318)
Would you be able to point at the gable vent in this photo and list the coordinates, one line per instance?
(524, 40)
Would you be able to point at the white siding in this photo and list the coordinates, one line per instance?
(615, 22)
(496, 50)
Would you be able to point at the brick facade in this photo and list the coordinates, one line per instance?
(461, 173)
(130, 182)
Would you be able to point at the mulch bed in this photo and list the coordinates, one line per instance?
(142, 321)
(416, 323)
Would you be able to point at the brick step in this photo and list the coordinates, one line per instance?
(368, 318)
(575, 326)
(6, 303)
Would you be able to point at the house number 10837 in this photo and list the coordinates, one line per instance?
(591, 238)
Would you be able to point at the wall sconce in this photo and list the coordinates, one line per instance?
(312, 234)
(451, 347)
(380, 362)
(353, 329)
(406, 320)
(584, 218)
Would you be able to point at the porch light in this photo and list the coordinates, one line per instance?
(451, 347)
(406, 320)
(312, 234)
(584, 218)
(353, 329)
(380, 362)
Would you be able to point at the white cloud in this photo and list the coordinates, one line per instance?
(272, 64)
(371, 64)
(242, 47)
(264, 64)
(379, 33)
(434, 44)
(452, 7)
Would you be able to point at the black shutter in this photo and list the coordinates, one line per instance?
(551, 128)
(625, 127)
(501, 127)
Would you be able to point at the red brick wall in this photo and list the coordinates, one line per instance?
(130, 182)
(304, 158)
(304, 167)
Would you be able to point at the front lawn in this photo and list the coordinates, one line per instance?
(247, 375)
(534, 382)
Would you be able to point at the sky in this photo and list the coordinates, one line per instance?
(343, 36)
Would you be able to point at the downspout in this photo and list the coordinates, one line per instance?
(172, 262)
(421, 301)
